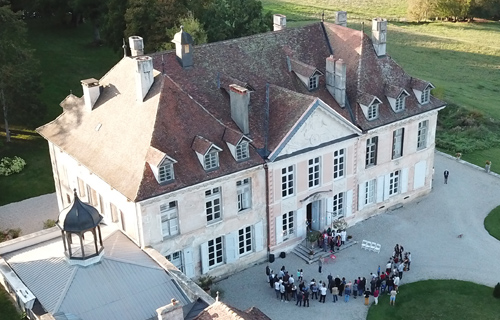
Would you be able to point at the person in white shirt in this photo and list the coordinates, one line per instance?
(396, 283)
(323, 293)
(343, 236)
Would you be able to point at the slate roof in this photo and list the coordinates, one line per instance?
(220, 310)
(185, 103)
(126, 284)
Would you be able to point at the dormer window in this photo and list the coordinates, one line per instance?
(211, 160)
(242, 151)
(313, 82)
(166, 172)
(307, 74)
(422, 90)
(425, 97)
(396, 97)
(161, 165)
(373, 111)
(400, 103)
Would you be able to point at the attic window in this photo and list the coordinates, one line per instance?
(425, 97)
(242, 151)
(166, 172)
(313, 82)
(373, 111)
(211, 160)
(400, 103)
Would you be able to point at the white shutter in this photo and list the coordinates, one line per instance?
(329, 210)
(387, 181)
(188, 262)
(231, 246)
(348, 203)
(204, 257)
(259, 236)
(247, 198)
(361, 195)
(419, 175)
(301, 223)
(380, 189)
(279, 229)
(404, 180)
(174, 226)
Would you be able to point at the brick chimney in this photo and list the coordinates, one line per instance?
(379, 36)
(240, 99)
(172, 311)
(336, 79)
(91, 91)
(341, 18)
(143, 77)
(279, 22)
(136, 46)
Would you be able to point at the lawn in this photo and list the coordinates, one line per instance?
(492, 223)
(66, 56)
(440, 300)
(7, 309)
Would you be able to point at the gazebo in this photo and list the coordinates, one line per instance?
(78, 219)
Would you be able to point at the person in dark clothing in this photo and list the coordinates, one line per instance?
(337, 281)
(372, 285)
(378, 283)
(342, 286)
(362, 285)
(272, 281)
(300, 298)
(306, 298)
(446, 174)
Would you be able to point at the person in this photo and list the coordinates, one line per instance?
(335, 293)
(343, 236)
(400, 270)
(323, 293)
(390, 285)
(401, 250)
(282, 291)
(446, 174)
(268, 272)
(325, 241)
(300, 298)
(396, 283)
(355, 289)
(409, 260)
(347, 292)
(271, 279)
(294, 292)
(388, 266)
(277, 288)
(288, 291)
(342, 286)
(314, 290)
(306, 298)
(378, 271)
(291, 280)
(393, 294)
(375, 296)
(367, 296)
(361, 286)
(320, 264)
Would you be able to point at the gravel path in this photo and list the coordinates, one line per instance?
(428, 227)
(29, 214)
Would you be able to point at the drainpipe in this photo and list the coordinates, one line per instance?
(266, 170)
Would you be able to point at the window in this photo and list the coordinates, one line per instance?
(338, 205)
(288, 225)
(313, 82)
(166, 172)
(114, 213)
(425, 97)
(338, 163)
(422, 134)
(81, 187)
(242, 151)
(313, 169)
(169, 219)
(93, 197)
(370, 191)
(373, 111)
(244, 194)
(213, 205)
(397, 143)
(215, 252)
(287, 181)
(211, 160)
(176, 259)
(400, 103)
(371, 151)
(245, 240)
(393, 183)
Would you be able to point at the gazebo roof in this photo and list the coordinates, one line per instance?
(78, 217)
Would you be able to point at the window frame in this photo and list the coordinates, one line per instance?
(287, 181)
(372, 112)
(170, 257)
(166, 172)
(425, 96)
(338, 207)
(371, 152)
(397, 143)
(245, 241)
(370, 191)
(288, 227)
(169, 215)
(242, 151)
(422, 133)
(244, 194)
(213, 200)
(339, 163)
(211, 160)
(394, 181)
(215, 247)
(399, 105)
(313, 82)
(314, 172)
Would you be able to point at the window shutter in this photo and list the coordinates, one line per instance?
(404, 180)
(188, 262)
(402, 141)
(301, 223)
(348, 203)
(231, 246)
(204, 257)
(259, 236)
(380, 189)
(376, 149)
(419, 175)
(279, 229)
(386, 186)
(361, 195)
(247, 197)
(329, 210)
(174, 226)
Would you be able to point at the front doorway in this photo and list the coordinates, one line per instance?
(313, 215)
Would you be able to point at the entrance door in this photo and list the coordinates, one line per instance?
(313, 217)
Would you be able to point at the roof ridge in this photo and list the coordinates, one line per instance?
(130, 262)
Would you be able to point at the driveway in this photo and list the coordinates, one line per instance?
(428, 227)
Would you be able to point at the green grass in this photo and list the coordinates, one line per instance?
(492, 223)
(440, 300)
(7, 309)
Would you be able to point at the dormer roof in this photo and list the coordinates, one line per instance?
(395, 91)
(233, 137)
(420, 85)
(156, 157)
(303, 68)
(367, 99)
(203, 146)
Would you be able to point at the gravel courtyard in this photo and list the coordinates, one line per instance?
(428, 227)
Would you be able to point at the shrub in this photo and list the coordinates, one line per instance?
(205, 282)
(9, 234)
(9, 166)
(496, 291)
(49, 224)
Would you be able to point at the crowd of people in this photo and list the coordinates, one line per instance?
(289, 288)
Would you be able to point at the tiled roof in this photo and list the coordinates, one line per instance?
(220, 310)
(302, 68)
(232, 136)
(201, 145)
(419, 84)
(393, 91)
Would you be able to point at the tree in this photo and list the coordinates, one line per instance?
(455, 9)
(113, 23)
(191, 26)
(489, 9)
(420, 9)
(19, 75)
(93, 11)
(228, 19)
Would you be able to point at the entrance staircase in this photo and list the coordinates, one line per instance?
(302, 250)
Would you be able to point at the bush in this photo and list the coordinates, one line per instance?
(9, 234)
(49, 224)
(496, 291)
(9, 166)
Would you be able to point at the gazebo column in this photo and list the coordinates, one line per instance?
(64, 241)
(68, 237)
(81, 244)
(95, 240)
(100, 236)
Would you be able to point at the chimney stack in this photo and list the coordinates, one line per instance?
(144, 76)
(172, 311)
(240, 99)
(91, 92)
(379, 36)
(136, 46)
(279, 22)
(341, 18)
(336, 79)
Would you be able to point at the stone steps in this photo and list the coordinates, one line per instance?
(303, 252)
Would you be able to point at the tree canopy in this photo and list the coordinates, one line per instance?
(454, 9)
